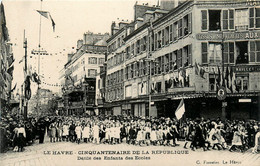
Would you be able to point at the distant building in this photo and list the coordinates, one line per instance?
(80, 74)
(6, 62)
(40, 105)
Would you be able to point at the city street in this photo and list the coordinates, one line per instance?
(37, 155)
(145, 70)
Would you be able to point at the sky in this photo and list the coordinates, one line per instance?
(72, 18)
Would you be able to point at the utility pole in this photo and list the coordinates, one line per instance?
(224, 103)
(38, 89)
(148, 57)
(25, 71)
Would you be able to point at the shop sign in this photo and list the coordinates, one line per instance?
(236, 69)
(244, 100)
(250, 68)
(228, 36)
(221, 93)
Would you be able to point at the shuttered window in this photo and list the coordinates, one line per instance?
(204, 23)
(231, 19)
(254, 51)
(254, 18)
(180, 33)
(204, 52)
(190, 23)
(189, 54)
(225, 19)
(179, 58)
(228, 19)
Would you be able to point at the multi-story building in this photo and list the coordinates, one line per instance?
(205, 52)
(6, 62)
(80, 74)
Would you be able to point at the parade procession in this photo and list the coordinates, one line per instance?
(146, 82)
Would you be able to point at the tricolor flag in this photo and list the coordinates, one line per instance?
(227, 77)
(47, 15)
(174, 65)
(196, 69)
(180, 110)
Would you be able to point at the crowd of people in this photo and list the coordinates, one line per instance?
(139, 131)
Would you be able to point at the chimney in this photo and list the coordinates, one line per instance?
(139, 22)
(114, 28)
(168, 4)
(79, 43)
(70, 56)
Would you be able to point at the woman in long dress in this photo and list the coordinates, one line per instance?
(96, 133)
(78, 131)
(86, 133)
(65, 131)
(257, 141)
(59, 131)
(236, 141)
(153, 135)
(53, 131)
(20, 137)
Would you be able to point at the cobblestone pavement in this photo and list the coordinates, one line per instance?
(35, 155)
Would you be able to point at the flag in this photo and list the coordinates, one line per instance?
(227, 77)
(233, 82)
(196, 69)
(142, 86)
(53, 24)
(43, 13)
(219, 77)
(13, 88)
(47, 14)
(174, 65)
(180, 110)
(202, 71)
(223, 79)
(230, 80)
(10, 70)
(181, 79)
(10, 60)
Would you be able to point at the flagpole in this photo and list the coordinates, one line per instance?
(25, 69)
(40, 25)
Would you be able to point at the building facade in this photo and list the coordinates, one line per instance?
(80, 74)
(192, 52)
(6, 63)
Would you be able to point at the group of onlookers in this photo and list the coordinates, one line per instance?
(199, 133)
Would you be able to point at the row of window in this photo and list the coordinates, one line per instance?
(241, 84)
(159, 39)
(239, 19)
(163, 64)
(241, 52)
(93, 60)
(115, 94)
(116, 44)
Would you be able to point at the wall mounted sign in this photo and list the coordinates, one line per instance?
(228, 36)
(236, 69)
(221, 93)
